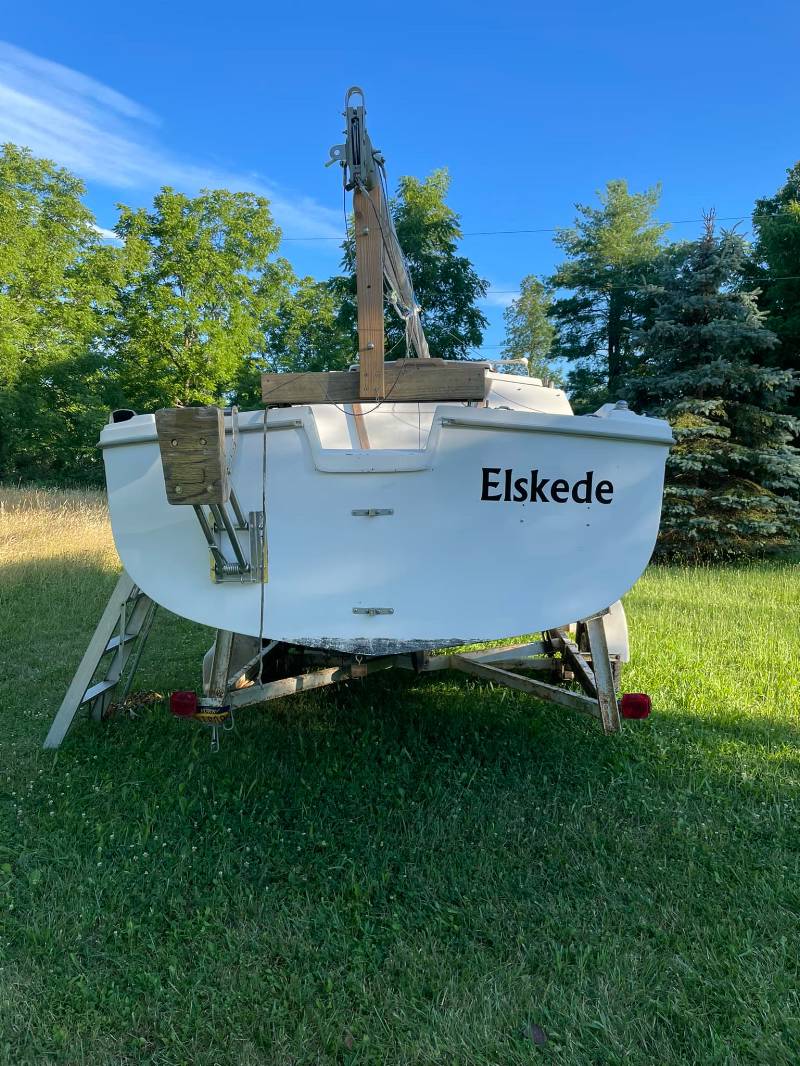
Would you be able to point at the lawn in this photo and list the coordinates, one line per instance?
(405, 869)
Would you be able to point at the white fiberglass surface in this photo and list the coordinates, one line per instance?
(408, 425)
(477, 544)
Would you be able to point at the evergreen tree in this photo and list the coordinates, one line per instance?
(56, 292)
(446, 284)
(529, 331)
(610, 254)
(733, 476)
(776, 270)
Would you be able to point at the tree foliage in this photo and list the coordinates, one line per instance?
(775, 267)
(56, 296)
(446, 284)
(610, 252)
(529, 331)
(733, 478)
(201, 279)
(302, 333)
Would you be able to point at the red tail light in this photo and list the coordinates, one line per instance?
(183, 704)
(635, 705)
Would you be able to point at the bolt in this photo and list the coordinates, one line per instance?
(174, 444)
(203, 441)
(178, 490)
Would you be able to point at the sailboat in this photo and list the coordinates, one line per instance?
(377, 516)
(422, 504)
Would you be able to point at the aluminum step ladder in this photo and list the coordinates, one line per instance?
(121, 634)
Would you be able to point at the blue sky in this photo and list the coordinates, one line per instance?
(532, 107)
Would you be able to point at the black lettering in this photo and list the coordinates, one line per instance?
(488, 484)
(507, 494)
(559, 490)
(520, 489)
(604, 488)
(537, 487)
(586, 482)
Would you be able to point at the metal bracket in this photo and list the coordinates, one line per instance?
(373, 610)
(357, 155)
(371, 512)
(244, 568)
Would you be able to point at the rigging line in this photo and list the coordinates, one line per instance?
(390, 249)
(412, 313)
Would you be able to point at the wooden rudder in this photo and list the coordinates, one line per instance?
(192, 445)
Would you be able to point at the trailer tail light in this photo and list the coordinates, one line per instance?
(183, 704)
(635, 705)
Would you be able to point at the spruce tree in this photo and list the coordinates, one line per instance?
(733, 477)
(775, 269)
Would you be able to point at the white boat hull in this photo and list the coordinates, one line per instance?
(454, 562)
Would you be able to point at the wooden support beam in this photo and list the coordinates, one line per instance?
(540, 689)
(367, 212)
(406, 381)
(291, 686)
(572, 653)
(192, 445)
(603, 674)
(360, 426)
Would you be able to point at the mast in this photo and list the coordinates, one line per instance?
(378, 252)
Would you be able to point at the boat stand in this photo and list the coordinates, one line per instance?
(278, 670)
(121, 634)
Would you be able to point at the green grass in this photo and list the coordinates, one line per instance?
(403, 870)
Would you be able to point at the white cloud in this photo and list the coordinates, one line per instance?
(500, 296)
(105, 137)
(106, 234)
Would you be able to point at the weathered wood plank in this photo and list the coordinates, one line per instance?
(583, 672)
(192, 445)
(409, 381)
(540, 689)
(369, 290)
(361, 429)
(603, 675)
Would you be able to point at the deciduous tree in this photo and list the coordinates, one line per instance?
(302, 333)
(56, 290)
(202, 277)
(529, 331)
(446, 284)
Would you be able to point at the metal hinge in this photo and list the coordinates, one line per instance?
(371, 512)
(373, 610)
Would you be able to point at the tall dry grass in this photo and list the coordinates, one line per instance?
(39, 524)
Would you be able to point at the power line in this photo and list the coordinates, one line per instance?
(756, 281)
(556, 229)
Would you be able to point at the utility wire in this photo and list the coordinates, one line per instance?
(557, 229)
